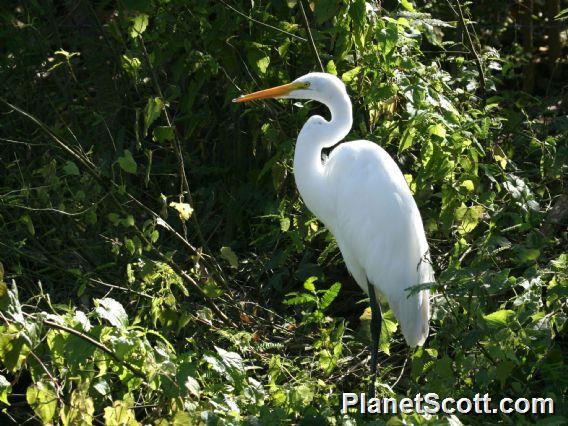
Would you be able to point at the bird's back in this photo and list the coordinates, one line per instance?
(379, 231)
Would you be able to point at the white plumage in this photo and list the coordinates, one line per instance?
(361, 196)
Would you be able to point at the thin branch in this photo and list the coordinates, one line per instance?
(97, 344)
(312, 44)
(476, 56)
(262, 23)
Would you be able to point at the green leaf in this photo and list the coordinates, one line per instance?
(284, 224)
(388, 327)
(229, 255)
(27, 221)
(407, 139)
(139, 24)
(309, 284)
(468, 185)
(41, 397)
(350, 75)
(163, 134)
(71, 169)
(152, 112)
(331, 68)
(120, 414)
(5, 389)
(112, 311)
(127, 162)
(330, 295)
(469, 217)
(299, 299)
(258, 58)
(407, 5)
(499, 319)
(437, 130)
(325, 10)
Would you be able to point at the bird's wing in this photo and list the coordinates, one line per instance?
(379, 230)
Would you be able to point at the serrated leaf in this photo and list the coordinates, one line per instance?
(127, 162)
(299, 299)
(112, 311)
(330, 295)
(309, 284)
(229, 255)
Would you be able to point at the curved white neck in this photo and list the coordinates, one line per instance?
(316, 134)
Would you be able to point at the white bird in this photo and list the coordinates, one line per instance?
(361, 196)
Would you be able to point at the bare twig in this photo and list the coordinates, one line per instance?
(312, 44)
(459, 13)
(262, 23)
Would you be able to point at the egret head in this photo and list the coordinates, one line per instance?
(318, 86)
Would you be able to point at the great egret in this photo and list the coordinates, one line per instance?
(361, 196)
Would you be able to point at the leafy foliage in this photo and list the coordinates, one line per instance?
(154, 248)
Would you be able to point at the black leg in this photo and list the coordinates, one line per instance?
(376, 322)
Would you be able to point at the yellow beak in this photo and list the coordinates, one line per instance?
(273, 92)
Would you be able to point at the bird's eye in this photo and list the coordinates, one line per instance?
(306, 85)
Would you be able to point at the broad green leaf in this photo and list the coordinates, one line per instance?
(71, 169)
(528, 254)
(163, 134)
(127, 162)
(469, 218)
(139, 24)
(388, 327)
(5, 389)
(229, 255)
(184, 210)
(152, 111)
(407, 139)
(258, 58)
(350, 75)
(120, 414)
(331, 68)
(325, 10)
(407, 5)
(42, 398)
(437, 130)
(499, 319)
(112, 311)
(468, 184)
(79, 411)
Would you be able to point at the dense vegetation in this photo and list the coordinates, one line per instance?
(157, 264)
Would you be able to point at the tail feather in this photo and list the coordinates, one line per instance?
(413, 313)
